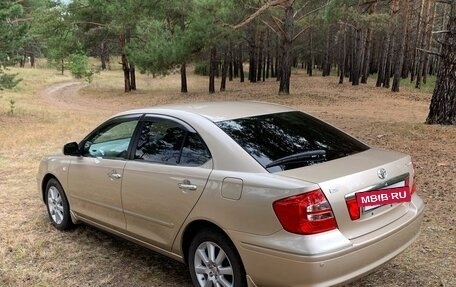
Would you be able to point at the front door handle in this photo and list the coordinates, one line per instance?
(114, 175)
(186, 185)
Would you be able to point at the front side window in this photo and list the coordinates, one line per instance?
(290, 140)
(166, 141)
(111, 141)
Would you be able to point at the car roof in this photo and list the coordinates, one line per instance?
(216, 111)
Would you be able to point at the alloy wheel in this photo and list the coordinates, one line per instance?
(212, 266)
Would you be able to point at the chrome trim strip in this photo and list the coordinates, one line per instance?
(387, 183)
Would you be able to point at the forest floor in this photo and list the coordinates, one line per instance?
(50, 110)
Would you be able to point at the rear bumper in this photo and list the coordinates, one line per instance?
(268, 266)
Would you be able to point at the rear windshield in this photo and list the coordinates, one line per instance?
(290, 140)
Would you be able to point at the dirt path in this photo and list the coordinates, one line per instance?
(65, 96)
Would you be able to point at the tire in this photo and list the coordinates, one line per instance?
(223, 268)
(57, 205)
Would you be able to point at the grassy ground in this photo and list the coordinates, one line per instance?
(32, 253)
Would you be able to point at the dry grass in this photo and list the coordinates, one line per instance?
(32, 253)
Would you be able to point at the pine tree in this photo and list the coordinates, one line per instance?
(443, 104)
(12, 33)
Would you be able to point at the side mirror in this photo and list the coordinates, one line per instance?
(71, 149)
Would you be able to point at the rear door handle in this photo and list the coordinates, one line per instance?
(114, 175)
(186, 185)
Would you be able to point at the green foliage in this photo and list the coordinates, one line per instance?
(202, 68)
(8, 81)
(12, 33)
(161, 50)
(179, 32)
(12, 103)
(58, 35)
(79, 67)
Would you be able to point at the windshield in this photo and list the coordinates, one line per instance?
(275, 138)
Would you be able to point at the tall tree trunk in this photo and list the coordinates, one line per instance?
(418, 40)
(326, 63)
(125, 64)
(357, 57)
(32, 59)
(183, 73)
(367, 49)
(126, 70)
(260, 56)
(276, 68)
(367, 54)
(287, 39)
(252, 54)
(389, 61)
(392, 45)
(224, 72)
(212, 70)
(236, 61)
(422, 57)
(268, 54)
(23, 60)
(311, 58)
(402, 22)
(230, 63)
(241, 64)
(382, 63)
(443, 26)
(343, 52)
(348, 54)
(429, 44)
(132, 77)
(278, 61)
(102, 54)
(264, 68)
(62, 66)
(352, 57)
(443, 103)
(407, 51)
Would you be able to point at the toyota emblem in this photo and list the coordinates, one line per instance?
(381, 173)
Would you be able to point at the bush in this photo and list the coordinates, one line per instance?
(8, 81)
(79, 67)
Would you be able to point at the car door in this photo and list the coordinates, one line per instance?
(95, 178)
(164, 179)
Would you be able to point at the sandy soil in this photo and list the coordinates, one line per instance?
(32, 253)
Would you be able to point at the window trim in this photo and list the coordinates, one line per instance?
(188, 128)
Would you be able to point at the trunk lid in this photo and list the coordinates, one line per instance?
(341, 178)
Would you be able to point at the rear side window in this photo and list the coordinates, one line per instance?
(194, 152)
(168, 142)
(290, 140)
(160, 141)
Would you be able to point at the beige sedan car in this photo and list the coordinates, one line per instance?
(245, 193)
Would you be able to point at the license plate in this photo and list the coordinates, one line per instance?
(375, 198)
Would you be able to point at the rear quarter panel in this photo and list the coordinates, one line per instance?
(252, 213)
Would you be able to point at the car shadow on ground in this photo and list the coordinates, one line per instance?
(137, 265)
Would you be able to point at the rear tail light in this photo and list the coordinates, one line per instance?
(307, 213)
(353, 208)
(407, 181)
